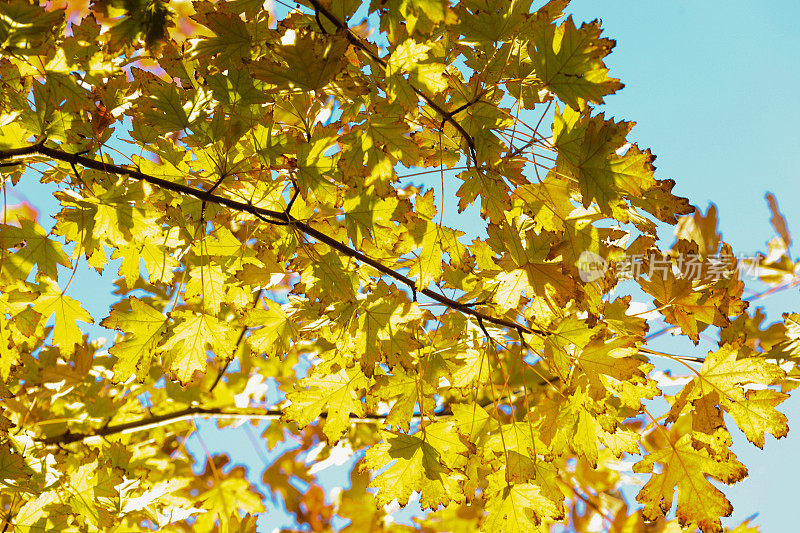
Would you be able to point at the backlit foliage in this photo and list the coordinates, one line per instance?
(269, 189)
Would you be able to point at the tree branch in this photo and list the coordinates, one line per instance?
(358, 43)
(267, 215)
(239, 340)
(189, 413)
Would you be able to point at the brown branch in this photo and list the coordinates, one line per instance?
(189, 413)
(267, 215)
(358, 43)
(236, 346)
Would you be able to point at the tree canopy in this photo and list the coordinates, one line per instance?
(270, 193)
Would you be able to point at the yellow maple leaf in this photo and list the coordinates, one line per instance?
(143, 326)
(67, 311)
(187, 347)
(686, 468)
(723, 378)
(414, 465)
(518, 506)
(337, 392)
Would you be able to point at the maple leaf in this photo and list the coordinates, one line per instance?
(611, 369)
(692, 311)
(276, 330)
(311, 61)
(207, 283)
(474, 368)
(338, 393)
(722, 380)
(231, 40)
(186, 349)
(788, 347)
(26, 27)
(685, 468)
(435, 241)
(37, 513)
(542, 279)
(472, 421)
(700, 229)
(409, 58)
(549, 202)
(224, 496)
(492, 189)
(414, 465)
(569, 61)
(143, 327)
(518, 506)
(659, 201)
(587, 151)
(35, 249)
(572, 424)
(569, 338)
(404, 388)
(67, 310)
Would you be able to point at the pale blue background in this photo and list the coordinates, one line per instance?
(713, 86)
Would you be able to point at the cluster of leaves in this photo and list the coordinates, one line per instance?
(246, 176)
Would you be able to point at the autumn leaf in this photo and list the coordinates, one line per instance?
(187, 348)
(723, 379)
(67, 310)
(143, 327)
(569, 61)
(414, 465)
(35, 249)
(587, 151)
(686, 469)
(337, 392)
(303, 60)
(518, 506)
(275, 329)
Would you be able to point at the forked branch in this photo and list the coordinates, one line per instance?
(358, 43)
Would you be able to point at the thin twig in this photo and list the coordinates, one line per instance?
(235, 347)
(358, 43)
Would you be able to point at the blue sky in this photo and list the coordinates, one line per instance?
(713, 88)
